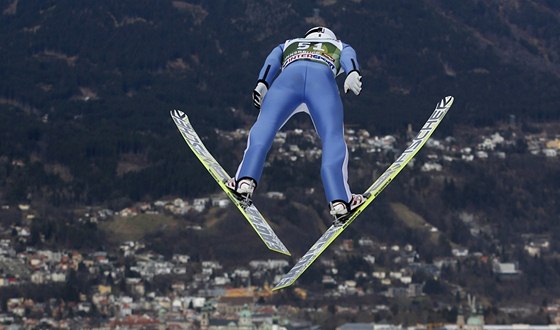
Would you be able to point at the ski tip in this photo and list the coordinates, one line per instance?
(178, 113)
(448, 101)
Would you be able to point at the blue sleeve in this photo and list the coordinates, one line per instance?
(348, 59)
(271, 66)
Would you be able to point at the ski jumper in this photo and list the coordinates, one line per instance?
(302, 74)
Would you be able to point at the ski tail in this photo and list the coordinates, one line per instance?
(309, 257)
(371, 193)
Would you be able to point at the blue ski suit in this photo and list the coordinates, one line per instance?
(302, 74)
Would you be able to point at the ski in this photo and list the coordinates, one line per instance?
(371, 193)
(251, 213)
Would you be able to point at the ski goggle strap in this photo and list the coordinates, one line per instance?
(314, 30)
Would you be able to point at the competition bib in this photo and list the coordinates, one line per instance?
(317, 50)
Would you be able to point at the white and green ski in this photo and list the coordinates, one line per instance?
(371, 193)
(253, 216)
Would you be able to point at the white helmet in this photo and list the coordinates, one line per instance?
(320, 32)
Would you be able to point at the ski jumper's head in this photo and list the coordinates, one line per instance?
(320, 32)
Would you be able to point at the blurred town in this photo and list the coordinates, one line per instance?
(204, 294)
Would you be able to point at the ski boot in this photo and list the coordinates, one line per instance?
(341, 210)
(242, 189)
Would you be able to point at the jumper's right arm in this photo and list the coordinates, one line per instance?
(349, 62)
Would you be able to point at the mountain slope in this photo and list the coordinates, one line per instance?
(87, 88)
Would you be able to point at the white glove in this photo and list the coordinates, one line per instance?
(353, 82)
(258, 94)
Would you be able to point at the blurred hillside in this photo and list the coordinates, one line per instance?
(86, 88)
